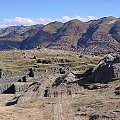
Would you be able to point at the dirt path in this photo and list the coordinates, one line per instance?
(57, 111)
(61, 111)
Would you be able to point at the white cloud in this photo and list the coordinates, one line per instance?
(30, 21)
(19, 20)
(84, 19)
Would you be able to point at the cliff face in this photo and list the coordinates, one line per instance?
(96, 36)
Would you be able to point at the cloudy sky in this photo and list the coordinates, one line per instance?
(30, 12)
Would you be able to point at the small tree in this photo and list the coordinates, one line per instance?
(0, 73)
(31, 73)
(62, 71)
(19, 80)
(24, 79)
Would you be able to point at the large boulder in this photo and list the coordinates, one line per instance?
(34, 91)
(104, 73)
(106, 70)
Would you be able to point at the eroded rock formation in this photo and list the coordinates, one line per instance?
(107, 70)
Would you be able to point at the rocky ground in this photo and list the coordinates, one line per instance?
(56, 92)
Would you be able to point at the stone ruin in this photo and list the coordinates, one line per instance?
(107, 70)
(63, 90)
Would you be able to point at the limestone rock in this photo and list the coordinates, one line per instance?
(104, 73)
(106, 70)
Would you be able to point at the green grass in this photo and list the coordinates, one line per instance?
(13, 61)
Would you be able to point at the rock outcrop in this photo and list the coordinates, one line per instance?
(107, 70)
(32, 92)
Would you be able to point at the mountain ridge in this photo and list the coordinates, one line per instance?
(99, 36)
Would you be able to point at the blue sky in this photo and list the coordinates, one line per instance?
(13, 12)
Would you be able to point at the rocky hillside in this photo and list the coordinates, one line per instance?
(43, 37)
(67, 36)
(99, 37)
(12, 37)
(93, 37)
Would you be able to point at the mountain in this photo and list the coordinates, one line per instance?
(98, 38)
(92, 37)
(11, 37)
(67, 36)
(43, 36)
(115, 31)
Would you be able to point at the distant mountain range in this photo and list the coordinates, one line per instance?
(94, 37)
